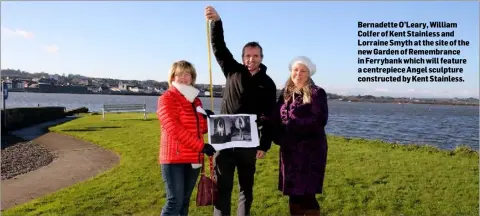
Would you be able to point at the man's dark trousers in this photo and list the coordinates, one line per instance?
(226, 160)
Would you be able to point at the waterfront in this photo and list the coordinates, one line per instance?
(444, 126)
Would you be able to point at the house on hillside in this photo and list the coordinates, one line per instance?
(98, 89)
(124, 86)
(136, 89)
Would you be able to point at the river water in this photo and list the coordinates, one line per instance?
(440, 125)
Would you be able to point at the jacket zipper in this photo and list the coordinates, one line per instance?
(176, 145)
(198, 128)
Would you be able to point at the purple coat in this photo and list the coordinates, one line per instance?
(299, 130)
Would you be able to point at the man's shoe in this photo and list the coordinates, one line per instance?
(312, 213)
(296, 210)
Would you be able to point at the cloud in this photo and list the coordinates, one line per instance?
(17, 33)
(52, 48)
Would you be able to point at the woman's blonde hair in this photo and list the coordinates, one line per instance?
(179, 68)
(290, 90)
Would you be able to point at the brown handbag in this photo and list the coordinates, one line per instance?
(207, 188)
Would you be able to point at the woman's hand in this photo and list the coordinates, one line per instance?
(260, 154)
(209, 113)
(208, 149)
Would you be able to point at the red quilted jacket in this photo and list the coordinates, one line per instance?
(182, 128)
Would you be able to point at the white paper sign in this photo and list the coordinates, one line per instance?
(233, 131)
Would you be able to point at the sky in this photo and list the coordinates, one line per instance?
(140, 40)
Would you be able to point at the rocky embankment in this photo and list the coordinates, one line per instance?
(22, 157)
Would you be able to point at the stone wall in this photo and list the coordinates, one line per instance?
(18, 118)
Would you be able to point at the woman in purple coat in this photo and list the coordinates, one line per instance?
(299, 126)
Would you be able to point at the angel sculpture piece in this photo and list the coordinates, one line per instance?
(221, 127)
(240, 124)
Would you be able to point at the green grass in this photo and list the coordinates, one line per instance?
(363, 177)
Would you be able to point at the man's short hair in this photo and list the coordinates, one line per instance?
(252, 44)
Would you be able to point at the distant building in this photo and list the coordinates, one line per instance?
(55, 77)
(82, 81)
(48, 81)
(136, 89)
(124, 86)
(15, 84)
(115, 89)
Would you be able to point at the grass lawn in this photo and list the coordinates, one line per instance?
(363, 177)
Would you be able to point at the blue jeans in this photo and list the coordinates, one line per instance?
(179, 180)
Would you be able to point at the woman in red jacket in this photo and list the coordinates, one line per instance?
(183, 124)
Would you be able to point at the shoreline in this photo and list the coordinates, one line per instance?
(347, 138)
(219, 96)
(110, 93)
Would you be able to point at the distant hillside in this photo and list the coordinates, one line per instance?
(27, 75)
(15, 73)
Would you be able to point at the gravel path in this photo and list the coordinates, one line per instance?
(24, 157)
(75, 161)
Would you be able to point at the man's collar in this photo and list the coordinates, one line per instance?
(262, 69)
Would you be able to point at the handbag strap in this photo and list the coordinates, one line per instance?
(202, 169)
(211, 167)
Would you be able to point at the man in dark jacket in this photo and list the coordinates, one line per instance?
(248, 90)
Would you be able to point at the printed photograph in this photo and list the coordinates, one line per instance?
(230, 128)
